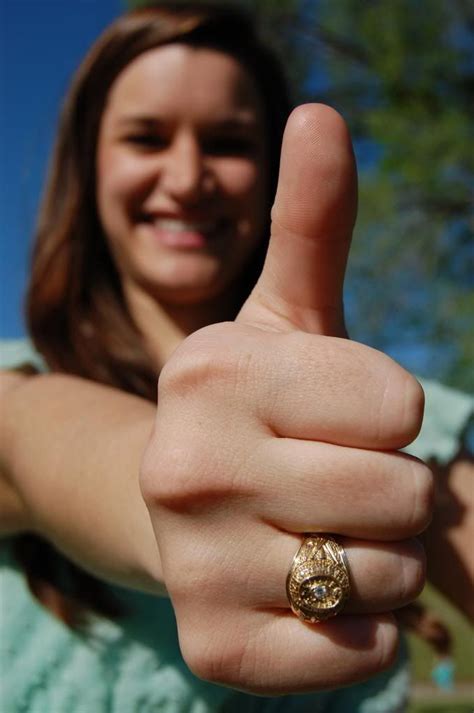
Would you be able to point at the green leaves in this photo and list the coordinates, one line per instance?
(401, 72)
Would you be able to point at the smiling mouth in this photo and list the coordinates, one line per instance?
(178, 233)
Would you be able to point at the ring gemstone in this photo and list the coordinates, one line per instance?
(318, 582)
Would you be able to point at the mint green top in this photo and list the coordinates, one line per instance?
(134, 665)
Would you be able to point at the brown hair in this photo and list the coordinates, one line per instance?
(75, 308)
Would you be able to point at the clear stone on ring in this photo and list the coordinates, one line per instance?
(320, 591)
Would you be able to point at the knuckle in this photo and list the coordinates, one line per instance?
(413, 407)
(413, 572)
(388, 649)
(188, 367)
(184, 477)
(220, 658)
(422, 498)
(198, 652)
(401, 404)
(193, 458)
(147, 477)
(204, 359)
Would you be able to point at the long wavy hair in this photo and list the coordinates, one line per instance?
(75, 308)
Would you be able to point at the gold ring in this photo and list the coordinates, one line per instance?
(318, 581)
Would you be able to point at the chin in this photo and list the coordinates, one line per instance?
(186, 279)
(185, 293)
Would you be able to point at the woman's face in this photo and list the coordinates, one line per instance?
(181, 172)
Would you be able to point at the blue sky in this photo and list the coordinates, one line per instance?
(41, 43)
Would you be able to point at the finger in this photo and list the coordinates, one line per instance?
(295, 385)
(312, 221)
(303, 486)
(272, 653)
(384, 575)
(298, 386)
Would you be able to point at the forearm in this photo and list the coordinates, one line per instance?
(14, 517)
(71, 452)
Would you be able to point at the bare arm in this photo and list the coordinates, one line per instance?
(71, 452)
(14, 517)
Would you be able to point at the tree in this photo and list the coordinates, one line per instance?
(402, 74)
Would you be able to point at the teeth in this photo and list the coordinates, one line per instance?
(176, 225)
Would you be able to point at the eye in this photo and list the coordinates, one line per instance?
(146, 141)
(230, 146)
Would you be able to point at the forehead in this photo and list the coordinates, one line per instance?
(187, 81)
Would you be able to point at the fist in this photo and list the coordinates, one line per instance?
(276, 425)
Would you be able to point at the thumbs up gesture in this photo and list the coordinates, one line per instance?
(276, 425)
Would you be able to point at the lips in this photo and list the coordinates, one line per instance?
(177, 226)
(182, 233)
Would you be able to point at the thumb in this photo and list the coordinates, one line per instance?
(313, 216)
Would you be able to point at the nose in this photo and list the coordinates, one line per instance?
(184, 176)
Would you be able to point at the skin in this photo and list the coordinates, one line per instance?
(182, 138)
(267, 427)
(320, 458)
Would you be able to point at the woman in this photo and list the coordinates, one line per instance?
(154, 228)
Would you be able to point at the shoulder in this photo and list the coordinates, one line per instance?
(448, 414)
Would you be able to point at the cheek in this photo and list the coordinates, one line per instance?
(119, 179)
(241, 181)
(246, 187)
(108, 185)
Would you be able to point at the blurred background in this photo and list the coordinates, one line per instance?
(401, 72)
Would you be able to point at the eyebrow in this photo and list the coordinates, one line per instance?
(240, 121)
(138, 119)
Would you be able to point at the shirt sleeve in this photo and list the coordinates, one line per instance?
(448, 415)
(20, 353)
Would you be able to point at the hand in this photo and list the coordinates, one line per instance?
(275, 425)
